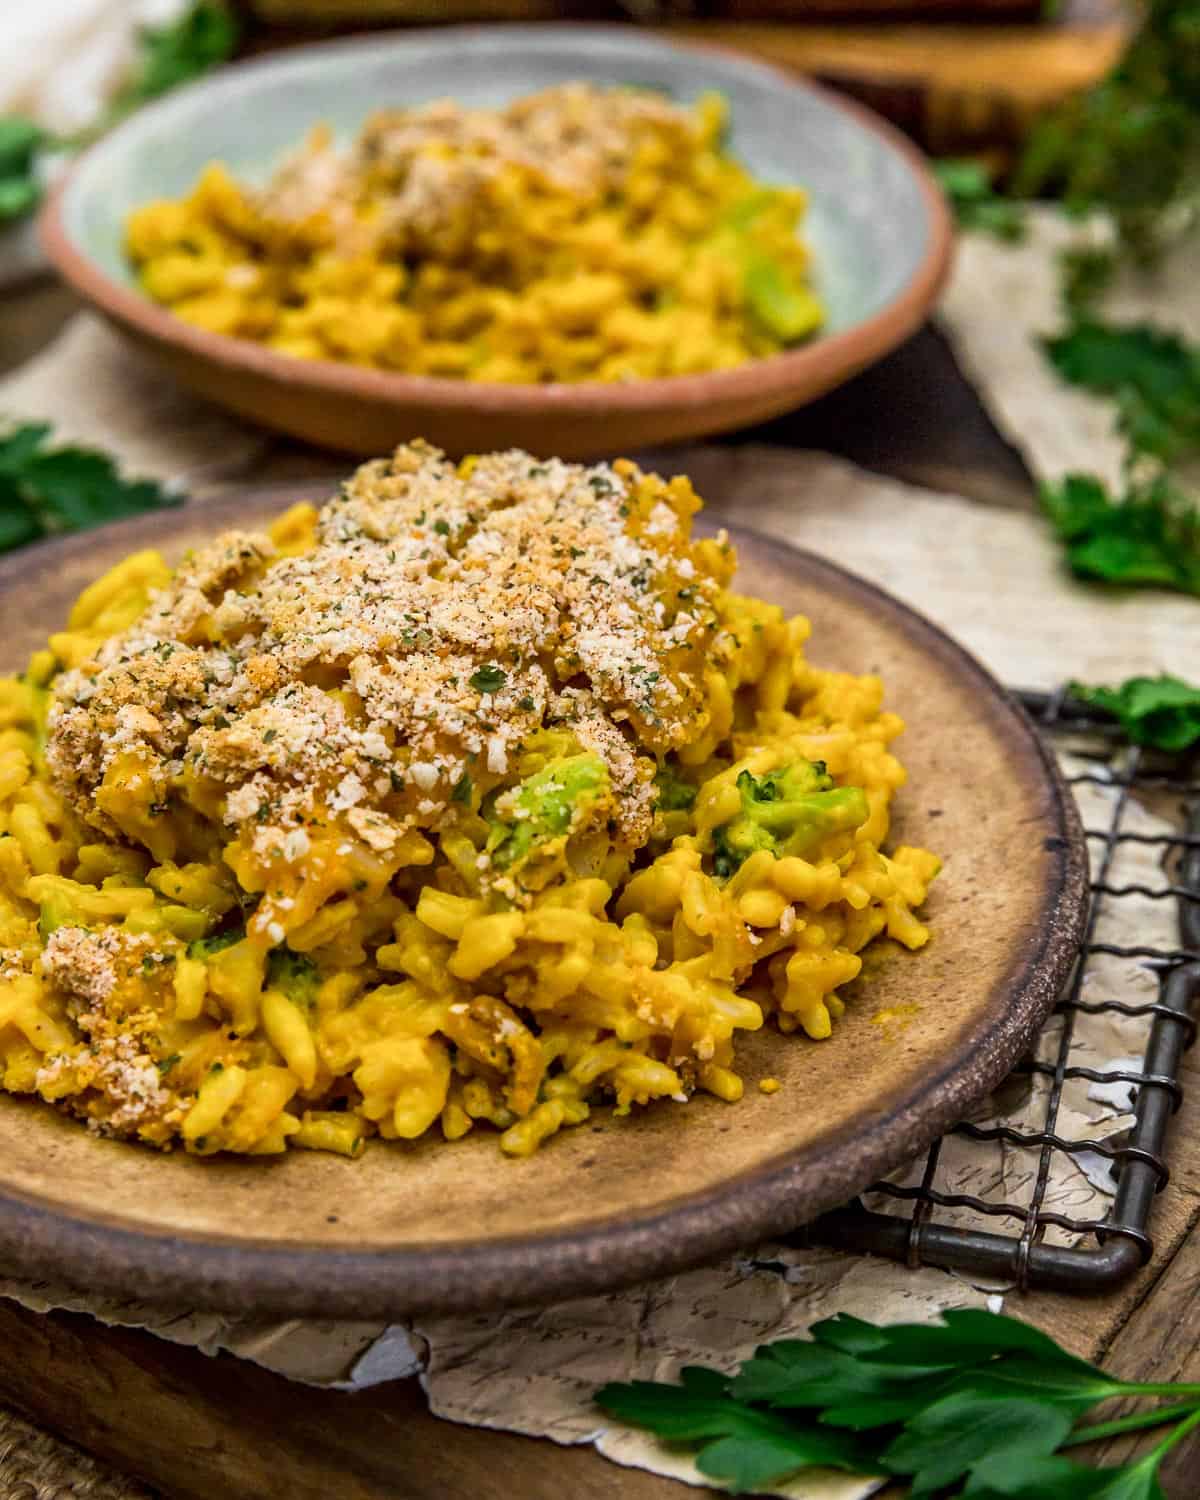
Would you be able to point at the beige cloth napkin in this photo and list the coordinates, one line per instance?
(992, 578)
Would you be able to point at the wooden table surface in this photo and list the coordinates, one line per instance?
(177, 1418)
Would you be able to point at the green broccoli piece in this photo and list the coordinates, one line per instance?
(294, 974)
(789, 811)
(745, 212)
(55, 911)
(205, 947)
(546, 806)
(674, 794)
(787, 310)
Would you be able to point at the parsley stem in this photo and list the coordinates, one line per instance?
(1165, 1389)
(1177, 1436)
(1131, 1423)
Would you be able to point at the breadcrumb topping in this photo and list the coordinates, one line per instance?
(95, 970)
(444, 614)
(437, 163)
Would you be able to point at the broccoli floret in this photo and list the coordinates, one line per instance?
(789, 811)
(56, 911)
(205, 947)
(774, 299)
(294, 975)
(546, 806)
(674, 794)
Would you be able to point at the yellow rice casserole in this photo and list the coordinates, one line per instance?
(578, 234)
(475, 798)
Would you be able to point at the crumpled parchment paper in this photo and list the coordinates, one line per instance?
(534, 1372)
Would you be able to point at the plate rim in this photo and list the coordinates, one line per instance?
(209, 1272)
(844, 352)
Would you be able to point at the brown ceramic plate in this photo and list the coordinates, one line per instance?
(878, 226)
(451, 1226)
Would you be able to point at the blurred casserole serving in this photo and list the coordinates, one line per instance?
(579, 233)
(475, 798)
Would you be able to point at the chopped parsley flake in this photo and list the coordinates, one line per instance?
(489, 678)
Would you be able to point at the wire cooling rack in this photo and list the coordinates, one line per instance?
(919, 1218)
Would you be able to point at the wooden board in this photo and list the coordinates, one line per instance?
(952, 85)
(420, 12)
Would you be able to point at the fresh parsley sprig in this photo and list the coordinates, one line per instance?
(1153, 375)
(1130, 146)
(967, 184)
(1149, 537)
(1162, 712)
(979, 1405)
(46, 490)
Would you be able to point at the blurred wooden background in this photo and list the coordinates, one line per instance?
(957, 75)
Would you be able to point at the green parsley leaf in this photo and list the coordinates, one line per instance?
(1150, 536)
(488, 679)
(968, 185)
(19, 139)
(294, 975)
(1162, 712)
(1086, 274)
(1138, 1482)
(18, 196)
(844, 1331)
(1016, 1478)
(865, 1377)
(1129, 146)
(752, 1448)
(767, 1450)
(462, 790)
(20, 187)
(962, 1431)
(18, 525)
(1019, 1477)
(967, 1335)
(47, 490)
(1154, 376)
(977, 1403)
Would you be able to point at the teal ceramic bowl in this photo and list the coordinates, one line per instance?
(878, 227)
